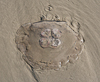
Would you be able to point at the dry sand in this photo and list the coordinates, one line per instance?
(14, 13)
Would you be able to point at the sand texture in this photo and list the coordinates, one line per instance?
(84, 14)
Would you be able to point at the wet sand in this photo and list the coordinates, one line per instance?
(15, 13)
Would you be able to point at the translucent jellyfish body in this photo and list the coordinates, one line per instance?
(48, 45)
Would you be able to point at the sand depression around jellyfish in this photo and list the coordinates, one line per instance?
(49, 44)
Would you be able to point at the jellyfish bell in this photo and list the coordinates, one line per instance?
(50, 45)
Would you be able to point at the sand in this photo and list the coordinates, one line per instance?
(14, 13)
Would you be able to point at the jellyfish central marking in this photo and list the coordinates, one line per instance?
(49, 38)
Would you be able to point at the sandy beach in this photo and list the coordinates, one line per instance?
(14, 13)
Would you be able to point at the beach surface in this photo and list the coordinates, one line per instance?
(14, 13)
